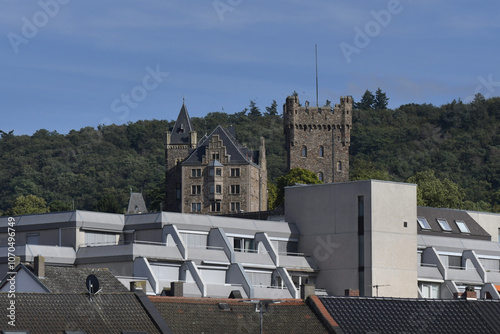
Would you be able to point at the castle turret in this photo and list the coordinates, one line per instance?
(318, 138)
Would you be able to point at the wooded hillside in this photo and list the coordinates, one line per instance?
(94, 169)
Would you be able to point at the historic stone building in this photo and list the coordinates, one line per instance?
(318, 138)
(216, 175)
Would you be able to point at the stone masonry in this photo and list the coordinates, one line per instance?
(318, 138)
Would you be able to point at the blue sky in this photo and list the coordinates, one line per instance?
(67, 64)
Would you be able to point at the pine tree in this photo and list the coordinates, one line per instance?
(272, 110)
(381, 100)
(367, 101)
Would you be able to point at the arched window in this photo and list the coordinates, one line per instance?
(304, 151)
(320, 176)
(321, 151)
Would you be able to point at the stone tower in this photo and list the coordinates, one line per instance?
(318, 138)
(178, 143)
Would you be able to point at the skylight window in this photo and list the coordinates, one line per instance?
(444, 225)
(462, 226)
(424, 224)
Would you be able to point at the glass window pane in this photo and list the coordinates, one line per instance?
(462, 226)
(424, 224)
(444, 225)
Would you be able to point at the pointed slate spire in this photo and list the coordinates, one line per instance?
(182, 127)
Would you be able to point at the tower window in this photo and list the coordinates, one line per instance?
(339, 166)
(321, 151)
(320, 176)
(304, 151)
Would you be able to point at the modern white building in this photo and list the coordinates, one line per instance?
(371, 236)
(368, 236)
(213, 256)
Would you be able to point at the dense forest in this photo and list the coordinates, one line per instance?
(453, 151)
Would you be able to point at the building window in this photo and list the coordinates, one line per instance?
(430, 290)
(218, 171)
(462, 226)
(215, 207)
(235, 189)
(195, 207)
(196, 190)
(235, 172)
(321, 151)
(215, 156)
(33, 239)
(339, 166)
(244, 245)
(211, 189)
(196, 172)
(320, 176)
(304, 151)
(444, 225)
(235, 206)
(211, 172)
(218, 189)
(424, 224)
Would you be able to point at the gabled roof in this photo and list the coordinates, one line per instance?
(182, 127)
(136, 204)
(392, 315)
(106, 313)
(451, 216)
(210, 315)
(237, 152)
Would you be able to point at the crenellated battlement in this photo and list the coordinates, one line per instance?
(325, 130)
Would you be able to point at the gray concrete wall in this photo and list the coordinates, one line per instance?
(327, 218)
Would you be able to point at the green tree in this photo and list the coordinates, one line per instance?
(25, 205)
(367, 101)
(272, 110)
(381, 100)
(294, 176)
(57, 206)
(108, 203)
(433, 192)
(254, 110)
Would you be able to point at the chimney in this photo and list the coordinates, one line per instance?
(39, 266)
(177, 289)
(470, 293)
(351, 292)
(307, 290)
(17, 261)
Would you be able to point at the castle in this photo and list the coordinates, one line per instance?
(218, 175)
(318, 138)
(215, 175)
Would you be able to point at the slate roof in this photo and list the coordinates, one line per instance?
(237, 152)
(204, 315)
(451, 215)
(106, 313)
(136, 201)
(72, 280)
(391, 315)
(182, 127)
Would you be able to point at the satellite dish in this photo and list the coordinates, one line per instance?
(92, 284)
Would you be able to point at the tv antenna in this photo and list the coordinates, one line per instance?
(92, 284)
(376, 286)
(316, 53)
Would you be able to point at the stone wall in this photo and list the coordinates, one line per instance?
(318, 138)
